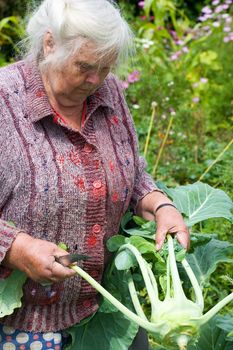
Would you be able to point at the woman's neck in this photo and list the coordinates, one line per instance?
(71, 112)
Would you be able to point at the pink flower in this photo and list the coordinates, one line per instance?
(204, 80)
(226, 39)
(215, 2)
(207, 10)
(196, 99)
(185, 49)
(141, 4)
(227, 29)
(134, 76)
(176, 55)
(202, 18)
(220, 8)
(228, 20)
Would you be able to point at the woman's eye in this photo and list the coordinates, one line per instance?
(83, 67)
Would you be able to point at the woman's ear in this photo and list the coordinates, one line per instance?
(48, 44)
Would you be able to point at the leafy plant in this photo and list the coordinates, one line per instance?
(176, 308)
(185, 68)
(173, 318)
(11, 30)
(11, 292)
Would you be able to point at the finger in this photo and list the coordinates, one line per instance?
(160, 238)
(183, 239)
(61, 272)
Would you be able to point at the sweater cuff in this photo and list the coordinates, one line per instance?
(146, 186)
(8, 234)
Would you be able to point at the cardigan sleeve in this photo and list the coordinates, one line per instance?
(143, 183)
(7, 180)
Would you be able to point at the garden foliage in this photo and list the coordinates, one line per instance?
(185, 67)
(111, 328)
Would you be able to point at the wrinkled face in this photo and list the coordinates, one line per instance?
(79, 76)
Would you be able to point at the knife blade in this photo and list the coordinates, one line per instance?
(69, 259)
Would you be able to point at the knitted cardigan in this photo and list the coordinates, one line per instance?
(63, 185)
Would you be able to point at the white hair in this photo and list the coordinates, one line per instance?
(72, 22)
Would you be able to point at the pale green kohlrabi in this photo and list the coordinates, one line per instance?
(176, 320)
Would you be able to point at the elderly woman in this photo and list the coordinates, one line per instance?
(69, 165)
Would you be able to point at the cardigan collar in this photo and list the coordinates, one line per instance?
(37, 103)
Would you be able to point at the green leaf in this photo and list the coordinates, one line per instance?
(150, 226)
(111, 331)
(142, 245)
(126, 218)
(206, 258)
(139, 220)
(213, 335)
(200, 202)
(11, 292)
(63, 246)
(115, 242)
(147, 6)
(11, 223)
(140, 232)
(208, 57)
(226, 324)
(106, 306)
(125, 260)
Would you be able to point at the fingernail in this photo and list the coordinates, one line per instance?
(157, 247)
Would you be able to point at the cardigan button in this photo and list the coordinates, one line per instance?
(91, 241)
(88, 148)
(96, 228)
(94, 273)
(87, 303)
(97, 184)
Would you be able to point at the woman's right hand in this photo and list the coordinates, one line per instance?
(36, 257)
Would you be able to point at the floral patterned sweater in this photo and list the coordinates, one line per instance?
(62, 185)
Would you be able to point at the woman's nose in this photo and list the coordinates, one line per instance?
(94, 78)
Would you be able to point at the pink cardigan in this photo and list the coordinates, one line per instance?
(65, 186)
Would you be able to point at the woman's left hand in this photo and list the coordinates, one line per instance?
(168, 218)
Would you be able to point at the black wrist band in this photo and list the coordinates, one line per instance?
(163, 205)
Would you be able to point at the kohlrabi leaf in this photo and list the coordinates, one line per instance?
(106, 306)
(111, 331)
(139, 220)
(197, 239)
(139, 231)
(125, 260)
(226, 324)
(206, 258)
(126, 218)
(115, 242)
(200, 202)
(11, 292)
(213, 336)
(142, 244)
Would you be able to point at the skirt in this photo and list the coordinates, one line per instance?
(13, 339)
